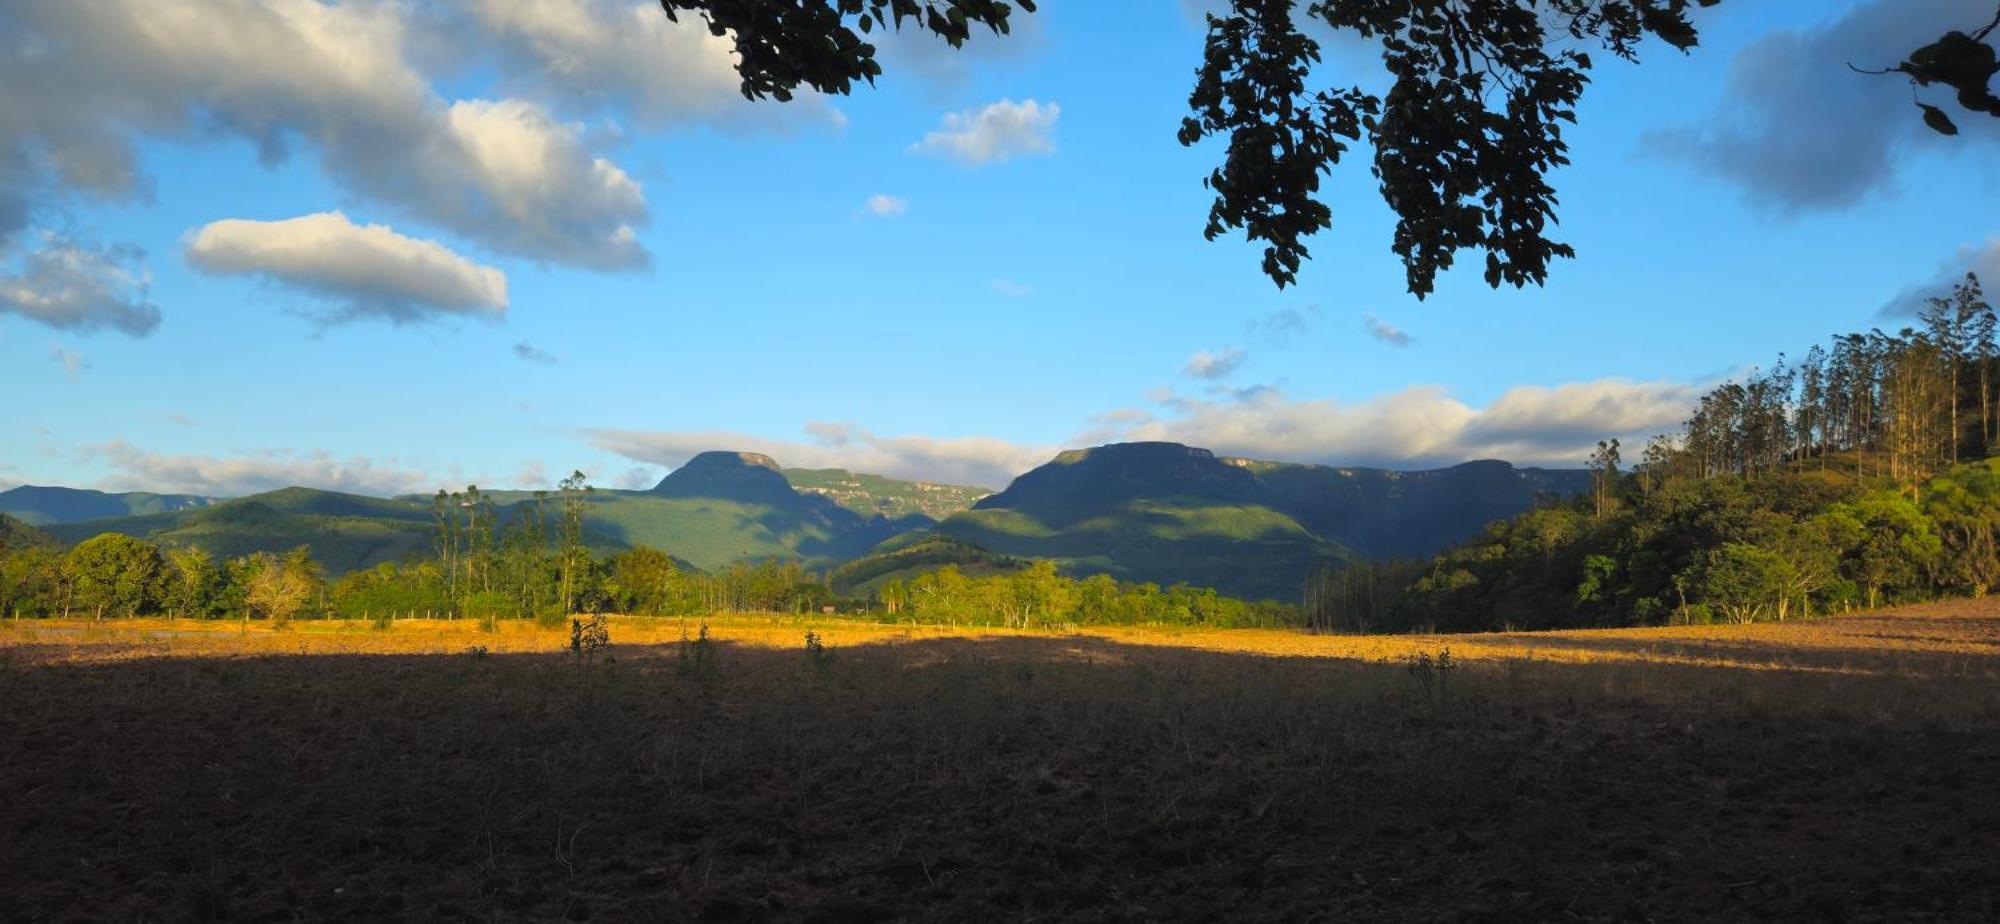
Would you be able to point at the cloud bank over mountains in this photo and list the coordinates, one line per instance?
(1416, 427)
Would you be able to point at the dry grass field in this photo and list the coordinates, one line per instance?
(1842, 769)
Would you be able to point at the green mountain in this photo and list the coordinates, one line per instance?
(718, 509)
(911, 554)
(16, 533)
(1157, 512)
(725, 507)
(1164, 512)
(875, 495)
(345, 531)
(39, 505)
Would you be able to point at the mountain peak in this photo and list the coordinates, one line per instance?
(741, 476)
(1153, 452)
(723, 458)
(1122, 471)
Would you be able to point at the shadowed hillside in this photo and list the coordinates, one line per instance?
(1164, 512)
(726, 507)
(37, 505)
(344, 531)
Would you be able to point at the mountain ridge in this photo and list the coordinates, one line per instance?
(1161, 512)
(1153, 511)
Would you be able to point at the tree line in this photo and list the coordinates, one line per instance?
(532, 562)
(1040, 595)
(1864, 475)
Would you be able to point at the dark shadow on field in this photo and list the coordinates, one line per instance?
(1009, 778)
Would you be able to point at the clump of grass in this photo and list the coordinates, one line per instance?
(697, 655)
(476, 652)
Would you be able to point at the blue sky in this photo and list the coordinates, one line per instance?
(1039, 281)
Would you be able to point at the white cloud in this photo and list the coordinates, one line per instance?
(71, 361)
(528, 352)
(997, 133)
(72, 286)
(885, 206)
(975, 460)
(134, 469)
(1415, 428)
(1213, 366)
(1386, 332)
(365, 270)
(87, 77)
(626, 57)
(638, 478)
(525, 183)
(1983, 260)
(1012, 288)
(1422, 426)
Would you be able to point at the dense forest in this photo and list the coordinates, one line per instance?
(1863, 474)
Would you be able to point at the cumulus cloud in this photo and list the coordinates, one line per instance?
(86, 78)
(71, 286)
(995, 134)
(884, 206)
(975, 460)
(1386, 332)
(1421, 426)
(366, 271)
(135, 469)
(1214, 366)
(1797, 130)
(1983, 260)
(621, 57)
(72, 362)
(528, 352)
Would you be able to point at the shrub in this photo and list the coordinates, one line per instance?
(588, 637)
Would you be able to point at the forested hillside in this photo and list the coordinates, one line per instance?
(1167, 513)
(40, 505)
(1862, 474)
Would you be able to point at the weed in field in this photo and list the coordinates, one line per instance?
(1433, 674)
(477, 652)
(697, 655)
(817, 654)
